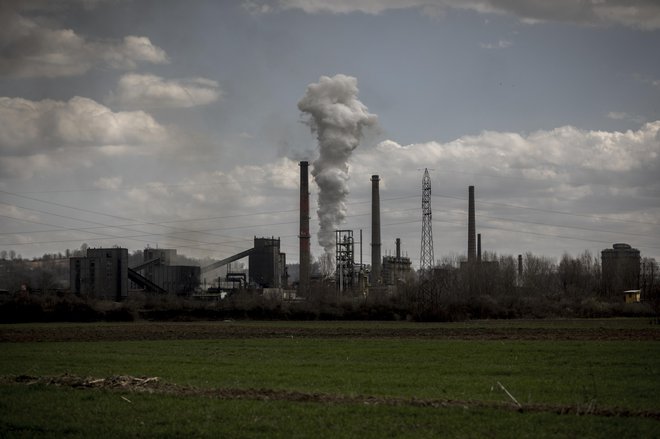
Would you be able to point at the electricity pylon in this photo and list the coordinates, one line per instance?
(426, 257)
(427, 301)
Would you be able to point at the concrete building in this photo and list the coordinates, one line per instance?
(620, 270)
(102, 274)
(174, 279)
(165, 257)
(267, 264)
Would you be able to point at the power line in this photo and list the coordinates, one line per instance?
(209, 231)
(538, 209)
(588, 229)
(104, 235)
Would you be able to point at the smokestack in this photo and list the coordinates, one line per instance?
(303, 286)
(337, 117)
(398, 249)
(375, 230)
(520, 267)
(478, 247)
(471, 226)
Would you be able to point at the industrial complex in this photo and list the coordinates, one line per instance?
(105, 273)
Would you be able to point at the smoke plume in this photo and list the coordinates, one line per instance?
(337, 117)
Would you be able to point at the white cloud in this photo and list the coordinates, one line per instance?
(33, 126)
(565, 169)
(150, 91)
(622, 115)
(546, 154)
(348, 6)
(45, 137)
(645, 79)
(500, 44)
(25, 167)
(617, 115)
(132, 50)
(256, 7)
(639, 14)
(559, 167)
(34, 50)
(597, 174)
(108, 182)
(237, 195)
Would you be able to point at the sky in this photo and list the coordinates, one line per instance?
(177, 124)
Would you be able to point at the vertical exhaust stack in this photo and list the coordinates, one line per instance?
(520, 267)
(478, 247)
(471, 226)
(398, 249)
(375, 231)
(303, 285)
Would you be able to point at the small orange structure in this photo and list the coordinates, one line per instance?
(632, 296)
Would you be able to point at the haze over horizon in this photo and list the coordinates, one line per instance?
(177, 124)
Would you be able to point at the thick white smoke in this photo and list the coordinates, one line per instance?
(337, 117)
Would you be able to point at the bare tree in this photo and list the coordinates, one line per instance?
(539, 276)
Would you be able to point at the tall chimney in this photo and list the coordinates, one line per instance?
(520, 267)
(375, 231)
(478, 247)
(303, 285)
(398, 249)
(471, 226)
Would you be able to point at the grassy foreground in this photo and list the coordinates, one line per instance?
(52, 412)
(583, 374)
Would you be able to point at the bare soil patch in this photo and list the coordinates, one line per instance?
(154, 385)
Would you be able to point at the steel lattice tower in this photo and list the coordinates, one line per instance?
(426, 257)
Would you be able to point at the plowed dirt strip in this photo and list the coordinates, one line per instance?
(218, 330)
(154, 385)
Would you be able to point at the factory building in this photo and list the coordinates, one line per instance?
(396, 268)
(176, 279)
(102, 274)
(157, 268)
(267, 264)
(620, 270)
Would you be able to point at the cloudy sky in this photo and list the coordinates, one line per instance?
(176, 124)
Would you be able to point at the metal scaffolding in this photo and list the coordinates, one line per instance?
(345, 274)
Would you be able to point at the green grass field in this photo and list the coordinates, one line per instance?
(577, 375)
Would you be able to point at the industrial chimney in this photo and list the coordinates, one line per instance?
(520, 267)
(471, 226)
(303, 285)
(398, 249)
(375, 231)
(478, 247)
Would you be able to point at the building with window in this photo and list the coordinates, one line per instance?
(620, 269)
(102, 274)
